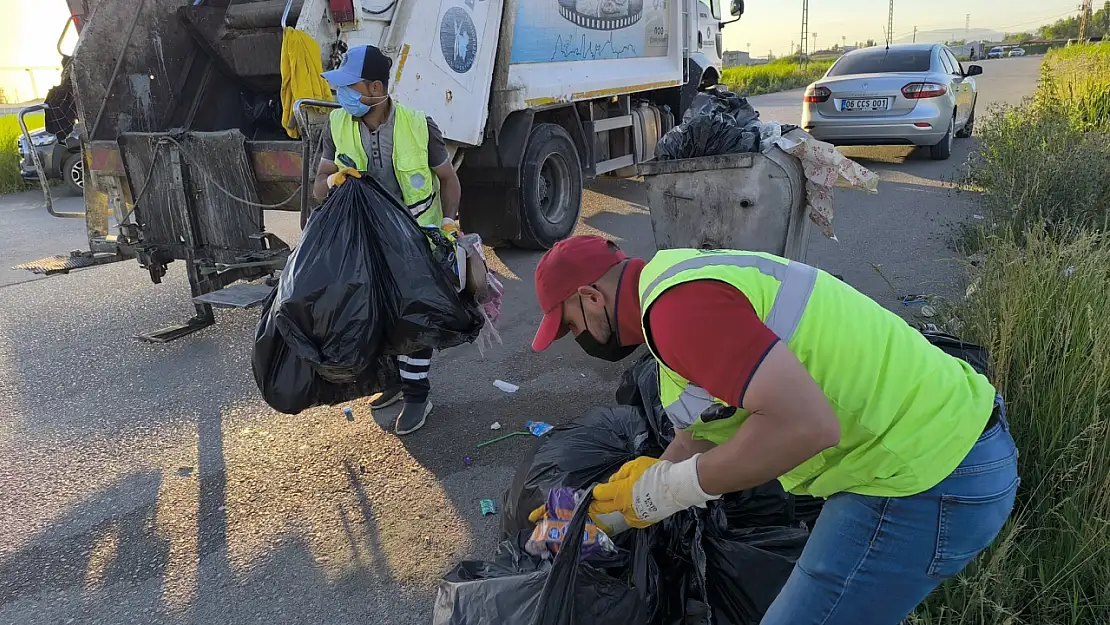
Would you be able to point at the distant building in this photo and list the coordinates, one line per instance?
(736, 58)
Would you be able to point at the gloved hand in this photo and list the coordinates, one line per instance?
(450, 225)
(340, 176)
(646, 491)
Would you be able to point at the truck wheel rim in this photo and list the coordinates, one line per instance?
(552, 188)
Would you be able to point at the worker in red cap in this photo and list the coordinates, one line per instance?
(772, 369)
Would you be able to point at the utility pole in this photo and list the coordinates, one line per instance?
(814, 43)
(1084, 18)
(804, 51)
(890, 24)
(915, 34)
(967, 27)
(844, 40)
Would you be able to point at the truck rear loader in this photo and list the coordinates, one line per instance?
(180, 117)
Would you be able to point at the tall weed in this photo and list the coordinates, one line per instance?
(1040, 307)
(10, 179)
(781, 75)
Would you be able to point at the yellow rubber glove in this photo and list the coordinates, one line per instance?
(646, 491)
(616, 494)
(341, 176)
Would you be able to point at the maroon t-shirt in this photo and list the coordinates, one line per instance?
(706, 331)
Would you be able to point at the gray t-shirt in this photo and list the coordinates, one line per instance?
(379, 150)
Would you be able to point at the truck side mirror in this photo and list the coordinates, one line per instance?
(737, 8)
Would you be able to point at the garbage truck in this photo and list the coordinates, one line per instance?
(180, 117)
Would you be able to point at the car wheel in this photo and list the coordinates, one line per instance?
(73, 172)
(969, 127)
(943, 150)
(550, 189)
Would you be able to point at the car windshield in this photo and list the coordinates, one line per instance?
(881, 60)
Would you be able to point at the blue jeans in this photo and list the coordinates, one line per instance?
(874, 559)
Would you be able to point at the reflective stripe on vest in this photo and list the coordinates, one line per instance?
(796, 282)
(414, 176)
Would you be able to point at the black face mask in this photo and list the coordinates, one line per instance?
(611, 350)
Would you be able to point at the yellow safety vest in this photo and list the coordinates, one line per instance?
(419, 184)
(909, 413)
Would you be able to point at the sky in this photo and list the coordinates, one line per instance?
(774, 24)
(29, 31)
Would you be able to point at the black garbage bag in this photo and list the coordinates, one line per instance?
(290, 385)
(366, 282)
(517, 588)
(740, 570)
(717, 122)
(585, 451)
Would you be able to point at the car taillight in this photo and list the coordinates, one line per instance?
(922, 90)
(817, 94)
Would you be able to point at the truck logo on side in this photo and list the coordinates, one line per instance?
(458, 39)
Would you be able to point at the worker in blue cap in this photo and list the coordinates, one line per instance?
(403, 149)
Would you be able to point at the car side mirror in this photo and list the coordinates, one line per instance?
(974, 70)
(737, 8)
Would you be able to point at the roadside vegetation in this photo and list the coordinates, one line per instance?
(10, 180)
(779, 75)
(1039, 300)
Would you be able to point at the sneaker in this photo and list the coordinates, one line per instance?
(386, 398)
(412, 417)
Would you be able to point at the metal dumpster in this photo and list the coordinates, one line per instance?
(752, 202)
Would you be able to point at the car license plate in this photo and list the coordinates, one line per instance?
(866, 104)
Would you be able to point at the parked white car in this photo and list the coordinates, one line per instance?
(913, 94)
(1017, 52)
(996, 53)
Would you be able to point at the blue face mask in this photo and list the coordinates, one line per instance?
(351, 101)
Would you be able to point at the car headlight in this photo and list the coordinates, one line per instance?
(44, 139)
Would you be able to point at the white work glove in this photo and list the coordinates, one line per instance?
(646, 491)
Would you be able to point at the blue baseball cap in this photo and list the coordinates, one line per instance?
(360, 63)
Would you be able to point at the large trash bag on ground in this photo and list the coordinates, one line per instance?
(587, 450)
(757, 530)
(365, 282)
(717, 122)
(521, 589)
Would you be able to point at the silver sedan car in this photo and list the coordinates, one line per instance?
(915, 94)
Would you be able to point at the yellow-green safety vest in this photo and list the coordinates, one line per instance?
(909, 413)
(419, 185)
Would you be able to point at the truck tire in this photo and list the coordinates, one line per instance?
(73, 172)
(550, 188)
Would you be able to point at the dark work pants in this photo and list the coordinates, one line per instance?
(414, 376)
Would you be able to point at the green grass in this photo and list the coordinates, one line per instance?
(1040, 307)
(10, 180)
(1048, 160)
(781, 75)
(1076, 81)
(1039, 302)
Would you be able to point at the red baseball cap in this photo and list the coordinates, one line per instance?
(570, 264)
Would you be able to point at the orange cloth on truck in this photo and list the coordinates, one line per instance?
(300, 75)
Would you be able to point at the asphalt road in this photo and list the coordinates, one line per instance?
(151, 484)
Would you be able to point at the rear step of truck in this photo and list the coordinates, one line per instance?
(52, 265)
(237, 296)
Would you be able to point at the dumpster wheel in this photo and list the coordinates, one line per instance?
(550, 189)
